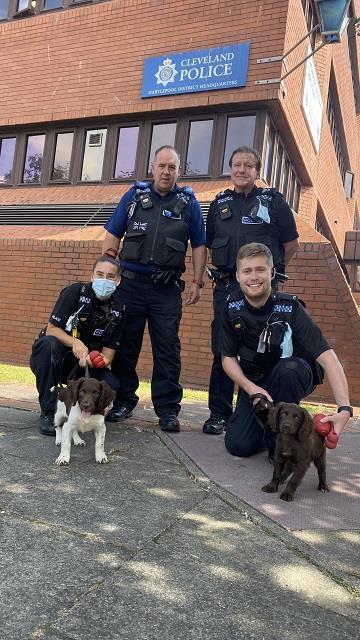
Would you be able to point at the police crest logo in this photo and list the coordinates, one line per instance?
(166, 72)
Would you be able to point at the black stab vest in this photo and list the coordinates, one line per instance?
(234, 226)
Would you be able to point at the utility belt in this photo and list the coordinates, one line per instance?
(220, 276)
(162, 277)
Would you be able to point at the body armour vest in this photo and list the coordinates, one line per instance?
(97, 323)
(238, 221)
(261, 336)
(157, 233)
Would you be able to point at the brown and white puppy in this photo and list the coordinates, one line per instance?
(81, 406)
(297, 445)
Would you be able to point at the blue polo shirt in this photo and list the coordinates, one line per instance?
(117, 223)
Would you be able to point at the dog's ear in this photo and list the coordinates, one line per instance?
(107, 395)
(274, 416)
(307, 426)
(73, 389)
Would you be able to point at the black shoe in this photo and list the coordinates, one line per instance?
(46, 424)
(214, 426)
(118, 414)
(169, 423)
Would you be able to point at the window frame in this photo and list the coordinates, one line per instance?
(53, 135)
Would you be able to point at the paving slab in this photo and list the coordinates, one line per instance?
(311, 509)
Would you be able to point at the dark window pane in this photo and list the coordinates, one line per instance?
(278, 166)
(52, 4)
(161, 134)
(240, 132)
(7, 150)
(61, 167)
(22, 4)
(34, 158)
(93, 155)
(285, 178)
(4, 9)
(197, 161)
(126, 153)
(269, 154)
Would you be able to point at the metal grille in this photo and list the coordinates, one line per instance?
(77, 215)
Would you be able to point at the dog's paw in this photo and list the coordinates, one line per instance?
(62, 461)
(269, 488)
(58, 443)
(102, 459)
(79, 442)
(322, 486)
(287, 496)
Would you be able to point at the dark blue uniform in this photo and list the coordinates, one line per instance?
(288, 377)
(156, 230)
(235, 219)
(100, 325)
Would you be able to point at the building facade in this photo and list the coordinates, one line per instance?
(88, 91)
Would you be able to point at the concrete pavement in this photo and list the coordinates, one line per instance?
(150, 547)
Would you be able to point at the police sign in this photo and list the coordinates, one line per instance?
(193, 71)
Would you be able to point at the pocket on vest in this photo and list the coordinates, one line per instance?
(133, 246)
(173, 254)
(220, 251)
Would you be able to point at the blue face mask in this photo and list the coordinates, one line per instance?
(103, 288)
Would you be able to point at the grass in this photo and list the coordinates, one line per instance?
(23, 375)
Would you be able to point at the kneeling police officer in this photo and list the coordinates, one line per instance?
(86, 317)
(271, 346)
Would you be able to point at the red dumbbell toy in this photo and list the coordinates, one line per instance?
(97, 359)
(326, 430)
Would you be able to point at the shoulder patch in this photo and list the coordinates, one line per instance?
(236, 304)
(283, 308)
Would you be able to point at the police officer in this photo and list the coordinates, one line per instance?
(236, 217)
(86, 317)
(156, 221)
(270, 345)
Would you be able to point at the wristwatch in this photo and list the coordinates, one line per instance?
(200, 283)
(346, 408)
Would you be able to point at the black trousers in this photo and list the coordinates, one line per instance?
(291, 380)
(221, 387)
(49, 366)
(159, 306)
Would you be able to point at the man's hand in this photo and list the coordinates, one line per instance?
(339, 421)
(256, 389)
(194, 294)
(80, 351)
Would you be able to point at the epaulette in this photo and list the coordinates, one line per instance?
(270, 191)
(187, 190)
(281, 295)
(226, 192)
(141, 185)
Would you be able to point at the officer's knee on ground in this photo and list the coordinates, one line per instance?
(238, 449)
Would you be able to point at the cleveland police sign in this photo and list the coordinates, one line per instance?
(192, 71)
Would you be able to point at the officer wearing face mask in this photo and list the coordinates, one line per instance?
(85, 318)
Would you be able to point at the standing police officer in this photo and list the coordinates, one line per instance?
(237, 217)
(86, 317)
(156, 220)
(271, 346)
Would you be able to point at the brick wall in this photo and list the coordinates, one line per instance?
(36, 268)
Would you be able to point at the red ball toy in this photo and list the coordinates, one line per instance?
(97, 359)
(332, 440)
(322, 428)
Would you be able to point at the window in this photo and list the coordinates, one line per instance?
(22, 5)
(63, 149)
(269, 154)
(93, 155)
(4, 9)
(334, 117)
(33, 159)
(311, 19)
(7, 152)
(126, 152)
(240, 132)
(161, 134)
(278, 165)
(52, 4)
(198, 153)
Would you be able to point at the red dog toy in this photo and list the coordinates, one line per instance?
(326, 430)
(97, 359)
